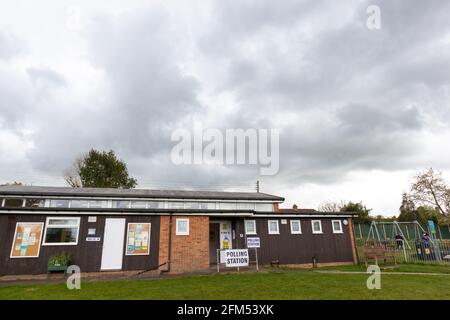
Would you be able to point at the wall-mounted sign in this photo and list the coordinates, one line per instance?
(236, 258)
(138, 239)
(27, 240)
(92, 219)
(254, 242)
(92, 231)
(93, 239)
(283, 221)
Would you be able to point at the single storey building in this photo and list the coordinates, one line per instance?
(166, 230)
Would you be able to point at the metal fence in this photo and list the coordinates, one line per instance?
(412, 251)
(410, 231)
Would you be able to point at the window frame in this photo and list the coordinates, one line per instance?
(44, 241)
(245, 226)
(340, 226)
(278, 227)
(312, 227)
(299, 227)
(177, 231)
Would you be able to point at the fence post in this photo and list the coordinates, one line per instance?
(256, 255)
(218, 260)
(404, 251)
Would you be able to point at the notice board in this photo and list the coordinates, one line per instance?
(27, 240)
(138, 239)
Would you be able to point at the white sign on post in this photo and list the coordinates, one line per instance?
(236, 258)
(253, 242)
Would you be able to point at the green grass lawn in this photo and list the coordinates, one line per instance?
(293, 284)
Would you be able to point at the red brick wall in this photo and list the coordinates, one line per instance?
(164, 243)
(188, 253)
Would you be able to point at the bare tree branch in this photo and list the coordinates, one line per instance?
(430, 188)
(72, 174)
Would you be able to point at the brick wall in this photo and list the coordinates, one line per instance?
(164, 243)
(188, 253)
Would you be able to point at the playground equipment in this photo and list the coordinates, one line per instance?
(411, 239)
(391, 230)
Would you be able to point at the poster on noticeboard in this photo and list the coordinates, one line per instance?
(27, 240)
(138, 239)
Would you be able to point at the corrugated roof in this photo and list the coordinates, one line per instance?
(134, 193)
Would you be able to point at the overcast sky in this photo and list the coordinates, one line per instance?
(359, 110)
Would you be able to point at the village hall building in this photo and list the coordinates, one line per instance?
(169, 231)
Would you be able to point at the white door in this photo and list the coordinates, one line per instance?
(113, 240)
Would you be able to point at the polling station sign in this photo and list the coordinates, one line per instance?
(236, 258)
(253, 242)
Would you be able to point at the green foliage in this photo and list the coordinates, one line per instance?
(360, 209)
(104, 170)
(62, 259)
(428, 213)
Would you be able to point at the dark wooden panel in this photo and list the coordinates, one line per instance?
(300, 248)
(87, 255)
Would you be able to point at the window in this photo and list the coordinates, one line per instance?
(61, 231)
(192, 205)
(59, 203)
(264, 207)
(250, 227)
(207, 205)
(79, 204)
(227, 205)
(34, 203)
(296, 227)
(245, 206)
(98, 204)
(138, 204)
(316, 226)
(182, 227)
(121, 204)
(337, 226)
(176, 205)
(273, 227)
(13, 203)
(155, 205)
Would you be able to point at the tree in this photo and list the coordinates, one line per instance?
(360, 209)
(430, 189)
(408, 210)
(331, 206)
(428, 213)
(99, 169)
(72, 174)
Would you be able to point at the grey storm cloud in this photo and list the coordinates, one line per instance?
(345, 97)
(140, 55)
